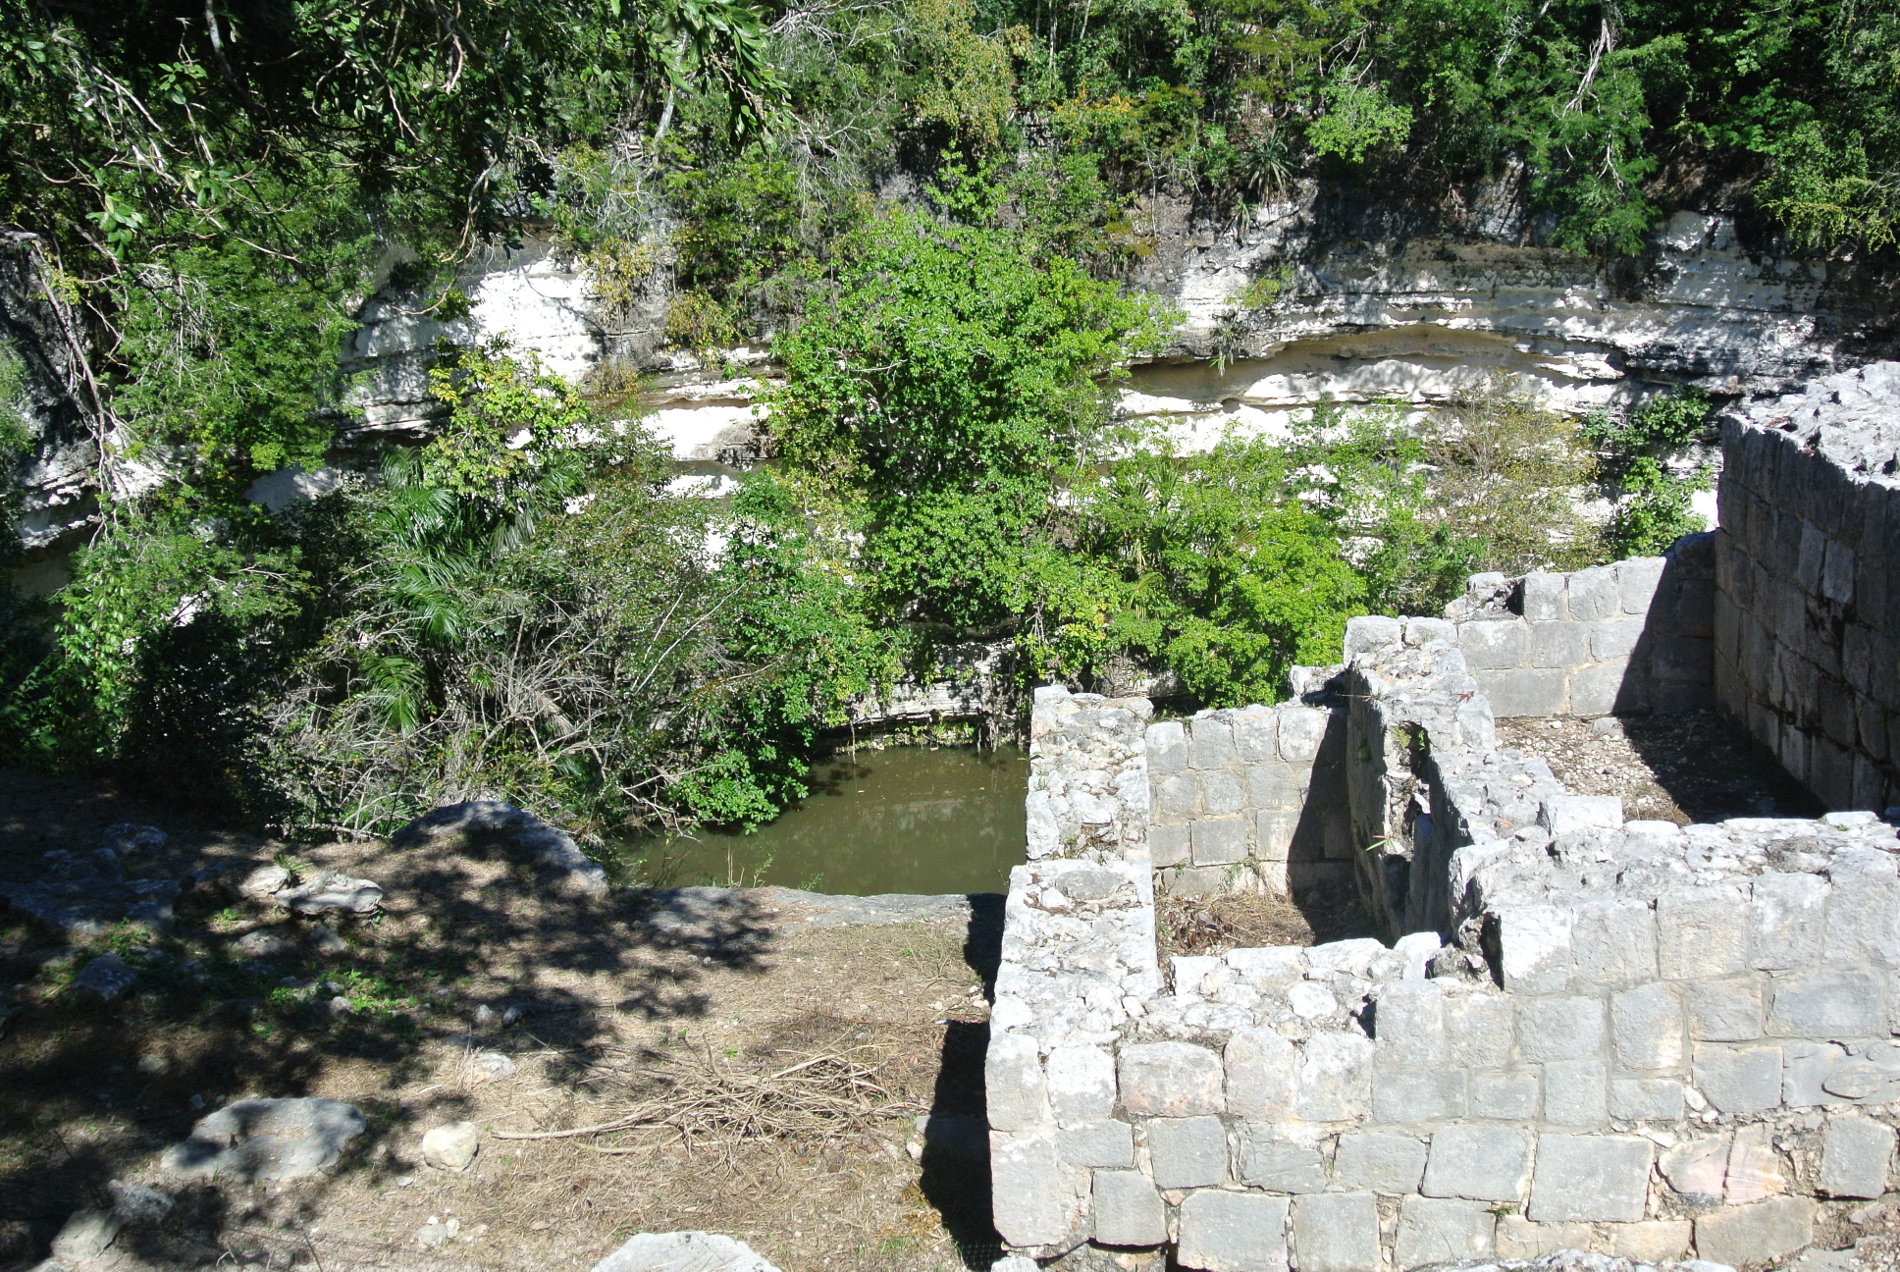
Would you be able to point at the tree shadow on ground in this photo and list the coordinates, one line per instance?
(472, 951)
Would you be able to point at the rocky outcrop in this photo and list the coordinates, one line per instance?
(1368, 302)
(1373, 302)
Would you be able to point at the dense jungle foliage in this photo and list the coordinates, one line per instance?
(926, 206)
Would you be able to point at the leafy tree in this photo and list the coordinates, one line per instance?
(950, 381)
(1219, 572)
(1651, 497)
(1507, 474)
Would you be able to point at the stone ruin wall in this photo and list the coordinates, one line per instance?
(1259, 796)
(1807, 618)
(1629, 1037)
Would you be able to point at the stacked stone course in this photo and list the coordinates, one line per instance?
(1646, 1040)
(1807, 635)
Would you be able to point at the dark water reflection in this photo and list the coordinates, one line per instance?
(905, 819)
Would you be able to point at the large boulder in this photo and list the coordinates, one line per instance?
(492, 822)
(683, 1252)
(260, 1140)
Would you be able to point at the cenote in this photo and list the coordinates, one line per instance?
(900, 819)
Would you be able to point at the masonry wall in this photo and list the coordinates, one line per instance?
(1639, 1039)
(1630, 637)
(1807, 635)
(1249, 798)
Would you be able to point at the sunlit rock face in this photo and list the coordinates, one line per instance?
(1373, 304)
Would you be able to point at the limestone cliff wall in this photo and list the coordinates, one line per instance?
(1375, 303)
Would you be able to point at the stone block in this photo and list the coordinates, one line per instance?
(1199, 881)
(1863, 909)
(1031, 1203)
(1525, 691)
(1787, 919)
(1257, 736)
(1418, 1095)
(1558, 646)
(1167, 747)
(1280, 1165)
(1636, 581)
(1335, 1077)
(1210, 743)
(1128, 1210)
(1592, 594)
(1221, 792)
(1278, 784)
(1012, 1075)
(1409, 1024)
(1614, 944)
(1591, 1179)
(1480, 1030)
(1647, 1025)
(1605, 689)
(1233, 1232)
(1576, 1093)
(1701, 932)
(1729, 1010)
(1274, 832)
(1697, 1169)
(1372, 632)
(1534, 944)
(1081, 1084)
(1219, 841)
(1423, 631)
(1176, 797)
(1167, 846)
(1494, 643)
(1506, 1094)
(1654, 1241)
(1824, 1073)
(1568, 814)
(1645, 1099)
(1856, 1156)
(1301, 731)
(1832, 1002)
(1739, 1077)
(1754, 1169)
(1543, 597)
(1379, 1162)
(1519, 1238)
(1336, 1232)
(1560, 1028)
(1478, 1163)
(1107, 1144)
(1615, 640)
(1171, 1079)
(1754, 1233)
(1441, 1230)
(1262, 1068)
(1188, 1152)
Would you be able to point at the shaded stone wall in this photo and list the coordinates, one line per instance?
(1250, 798)
(1807, 636)
(1630, 637)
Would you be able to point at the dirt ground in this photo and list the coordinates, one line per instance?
(1691, 767)
(791, 1064)
(1252, 920)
